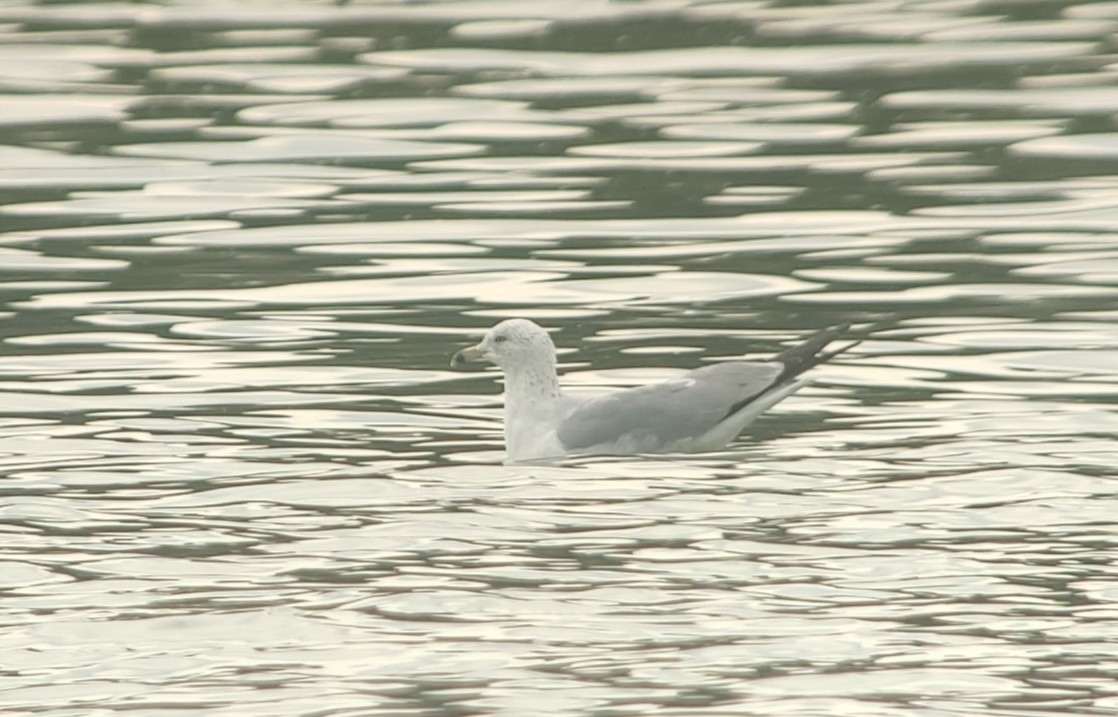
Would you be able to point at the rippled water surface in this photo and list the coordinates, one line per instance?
(239, 242)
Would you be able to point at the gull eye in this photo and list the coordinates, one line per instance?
(500, 339)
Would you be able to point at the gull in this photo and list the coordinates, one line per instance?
(702, 410)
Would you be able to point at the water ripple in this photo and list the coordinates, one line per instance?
(241, 242)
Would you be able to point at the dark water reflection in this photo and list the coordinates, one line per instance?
(239, 241)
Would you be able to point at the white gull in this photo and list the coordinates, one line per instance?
(702, 410)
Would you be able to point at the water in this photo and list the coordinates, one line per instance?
(240, 241)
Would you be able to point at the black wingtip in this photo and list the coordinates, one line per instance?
(798, 359)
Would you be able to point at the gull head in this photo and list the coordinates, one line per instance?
(511, 343)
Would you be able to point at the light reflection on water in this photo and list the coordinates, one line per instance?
(240, 242)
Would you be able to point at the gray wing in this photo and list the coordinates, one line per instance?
(674, 410)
